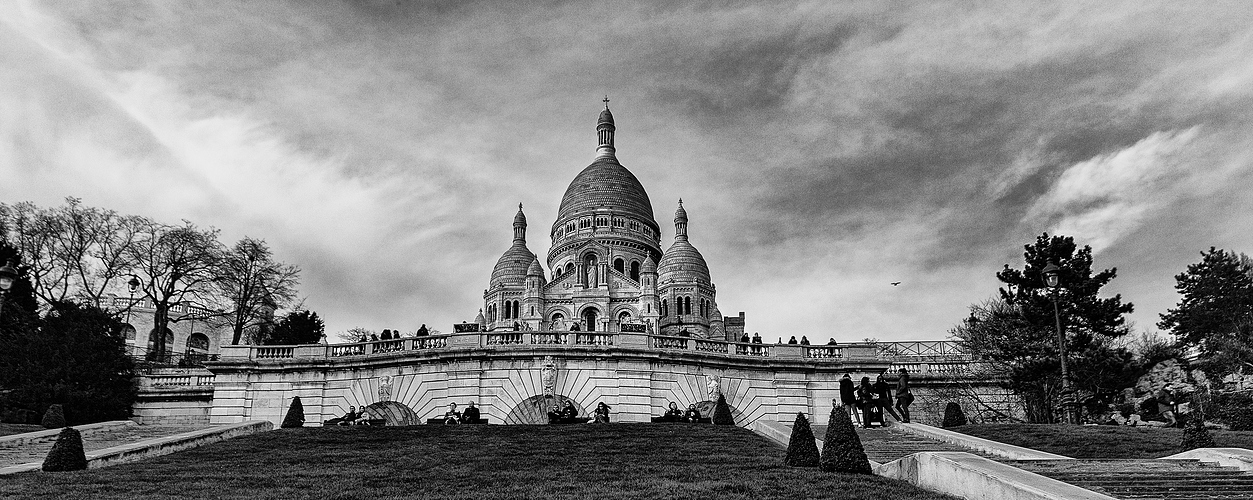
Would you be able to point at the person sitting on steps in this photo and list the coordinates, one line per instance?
(692, 414)
(347, 419)
(673, 414)
(452, 416)
(601, 413)
(471, 414)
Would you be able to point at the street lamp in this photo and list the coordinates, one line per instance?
(1052, 279)
(132, 285)
(7, 275)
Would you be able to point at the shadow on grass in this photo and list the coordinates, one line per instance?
(1100, 441)
(604, 462)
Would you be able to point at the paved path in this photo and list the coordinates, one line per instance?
(14, 455)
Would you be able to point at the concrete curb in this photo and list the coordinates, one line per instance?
(155, 447)
(1239, 458)
(51, 434)
(979, 444)
(972, 477)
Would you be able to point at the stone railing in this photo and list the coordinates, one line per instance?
(509, 340)
(823, 352)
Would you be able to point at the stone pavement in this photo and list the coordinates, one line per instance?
(14, 455)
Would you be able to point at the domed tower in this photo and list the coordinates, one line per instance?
(502, 299)
(533, 301)
(683, 285)
(605, 221)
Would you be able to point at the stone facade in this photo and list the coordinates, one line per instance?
(608, 269)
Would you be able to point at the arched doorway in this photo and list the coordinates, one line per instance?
(394, 413)
(534, 410)
(589, 318)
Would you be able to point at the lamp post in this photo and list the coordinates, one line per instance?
(1052, 279)
(7, 276)
(133, 285)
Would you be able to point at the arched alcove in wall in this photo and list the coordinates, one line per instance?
(393, 412)
(534, 410)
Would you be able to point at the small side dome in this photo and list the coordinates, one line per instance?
(682, 263)
(649, 267)
(606, 117)
(479, 319)
(535, 269)
(512, 267)
(520, 218)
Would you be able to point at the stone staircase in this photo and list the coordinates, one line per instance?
(1165, 479)
(35, 452)
(1148, 479)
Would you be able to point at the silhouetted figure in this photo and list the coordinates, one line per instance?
(756, 338)
(452, 416)
(904, 395)
(374, 337)
(471, 414)
(866, 401)
(791, 340)
(692, 414)
(745, 339)
(848, 398)
(804, 340)
(601, 414)
(422, 331)
(387, 334)
(883, 398)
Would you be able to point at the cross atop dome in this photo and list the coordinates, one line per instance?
(606, 100)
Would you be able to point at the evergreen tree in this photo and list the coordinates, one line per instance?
(722, 412)
(802, 450)
(54, 418)
(842, 450)
(295, 415)
(298, 327)
(953, 415)
(1215, 311)
(1017, 331)
(67, 453)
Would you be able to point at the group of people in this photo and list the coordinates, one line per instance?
(469, 416)
(866, 402)
(674, 414)
(389, 334)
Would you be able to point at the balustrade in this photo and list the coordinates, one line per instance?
(711, 346)
(420, 343)
(823, 352)
(601, 339)
(275, 352)
(388, 346)
(670, 342)
(347, 350)
(507, 338)
(547, 338)
(752, 350)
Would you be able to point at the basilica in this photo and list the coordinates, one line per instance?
(608, 271)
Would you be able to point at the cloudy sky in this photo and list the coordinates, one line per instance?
(822, 149)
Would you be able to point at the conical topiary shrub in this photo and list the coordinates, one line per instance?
(842, 451)
(953, 416)
(54, 418)
(722, 412)
(295, 414)
(67, 452)
(801, 449)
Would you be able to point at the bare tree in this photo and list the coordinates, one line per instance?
(254, 284)
(179, 266)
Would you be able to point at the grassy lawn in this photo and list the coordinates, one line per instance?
(8, 429)
(1100, 441)
(617, 461)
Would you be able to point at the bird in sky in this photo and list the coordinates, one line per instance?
(896, 283)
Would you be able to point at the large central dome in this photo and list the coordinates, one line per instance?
(606, 184)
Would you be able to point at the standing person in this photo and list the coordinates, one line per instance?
(904, 395)
(866, 401)
(1166, 405)
(848, 398)
(422, 330)
(804, 340)
(883, 393)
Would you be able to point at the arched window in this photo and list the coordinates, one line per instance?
(569, 267)
(198, 342)
(128, 332)
(589, 317)
(624, 317)
(635, 270)
(517, 308)
(532, 311)
(664, 307)
(619, 265)
(687, 305)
